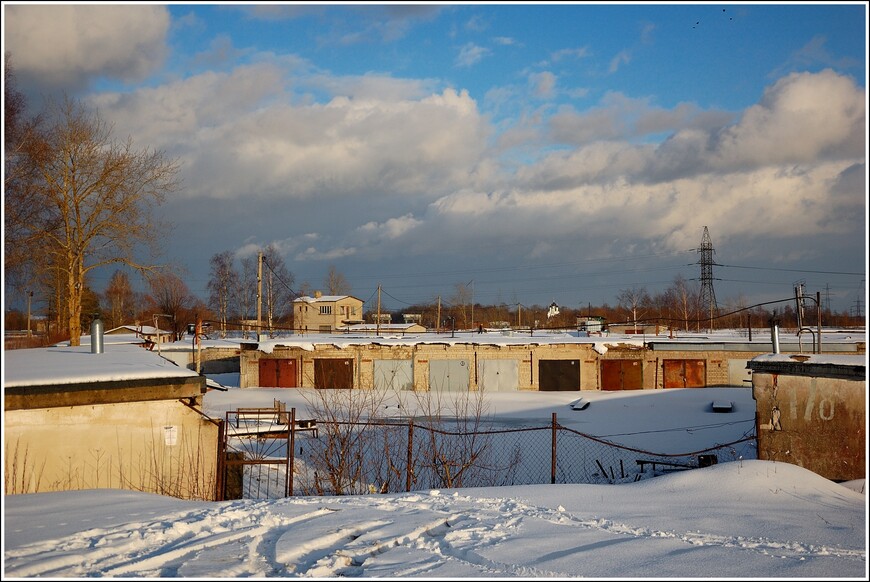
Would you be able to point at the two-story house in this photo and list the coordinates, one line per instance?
(326, 313)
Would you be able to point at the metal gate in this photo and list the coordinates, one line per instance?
(257, 452)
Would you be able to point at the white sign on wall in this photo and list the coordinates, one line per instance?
(170, 435)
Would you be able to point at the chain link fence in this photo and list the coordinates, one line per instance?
(351, 458)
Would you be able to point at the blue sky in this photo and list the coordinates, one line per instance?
(543, 152)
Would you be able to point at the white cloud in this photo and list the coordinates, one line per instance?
(543, 84)
(802, 118)
(69, 46)
(391, 228)
(621, 58)
(259, 138)
(471, 54)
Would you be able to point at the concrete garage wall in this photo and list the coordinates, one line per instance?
(159, 447)
(813, 416)
(720, 366)
(422, 357)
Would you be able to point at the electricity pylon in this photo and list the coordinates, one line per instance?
(708, 295)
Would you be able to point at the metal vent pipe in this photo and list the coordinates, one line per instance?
(774, 336)
(97, 336)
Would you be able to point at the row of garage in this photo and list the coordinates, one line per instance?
(493, 368)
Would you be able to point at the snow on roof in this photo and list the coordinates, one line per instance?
(72, 365)
(325, 298)
(835, 359)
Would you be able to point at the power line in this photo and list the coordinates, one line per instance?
(791, 270)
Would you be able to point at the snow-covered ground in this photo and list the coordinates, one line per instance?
(740, 518)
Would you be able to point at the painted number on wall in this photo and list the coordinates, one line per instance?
(815, 403)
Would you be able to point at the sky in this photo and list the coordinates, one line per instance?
(740, 518)
(533, 153)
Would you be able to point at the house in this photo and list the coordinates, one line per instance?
(122, 417)
(326, 313)
(147, 333)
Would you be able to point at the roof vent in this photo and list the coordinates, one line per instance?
(97, 336)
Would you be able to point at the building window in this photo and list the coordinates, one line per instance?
(326, 310)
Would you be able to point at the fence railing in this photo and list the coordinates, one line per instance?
(389, 456)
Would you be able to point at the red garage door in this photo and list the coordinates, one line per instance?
(275, 373)
(685, 373)
(621, 375)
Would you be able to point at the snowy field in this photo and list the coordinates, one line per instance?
(740, 518)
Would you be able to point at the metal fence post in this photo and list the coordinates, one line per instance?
(220, 482)
(291, 451)
(410, 467)
(553, 454)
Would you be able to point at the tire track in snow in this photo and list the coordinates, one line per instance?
(766, 546)
(132, 552)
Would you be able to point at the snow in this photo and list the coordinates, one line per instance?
(740, 518)
(121, 359)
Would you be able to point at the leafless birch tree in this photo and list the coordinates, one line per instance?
(99, 194)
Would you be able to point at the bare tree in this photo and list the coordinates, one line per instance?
(335, 282)
(170, 296)
(223, 287)
(22, 204)
(277, 286)
(634, 300)
(685, 299)
(121, 298)
(460, 300)
(100, 192)
(345, 419)
(247, 300)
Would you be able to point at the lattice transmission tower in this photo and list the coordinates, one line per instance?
(708, 295)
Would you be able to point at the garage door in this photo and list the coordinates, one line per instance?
(278, 373)
(394, 375)
(333, 373)
(498, 375)
(685, 373)
(558, 375)
(621, 375)
(448, 375)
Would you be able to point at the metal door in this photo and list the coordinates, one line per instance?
(558, 375)
(684, 373)
(498, 375)
(394, 375)
(448, 375)
(278, 373)
(621, 375)
(333, 373)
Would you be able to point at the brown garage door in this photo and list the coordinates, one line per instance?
(685, 373)
(558, 375)
(279, 373)
(333, 373)
(621, 375)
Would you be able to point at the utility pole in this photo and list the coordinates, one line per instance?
(472, 303)
(438, 318)
(519, 315)
(29, 297)
(259, 293)
(378, 320)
